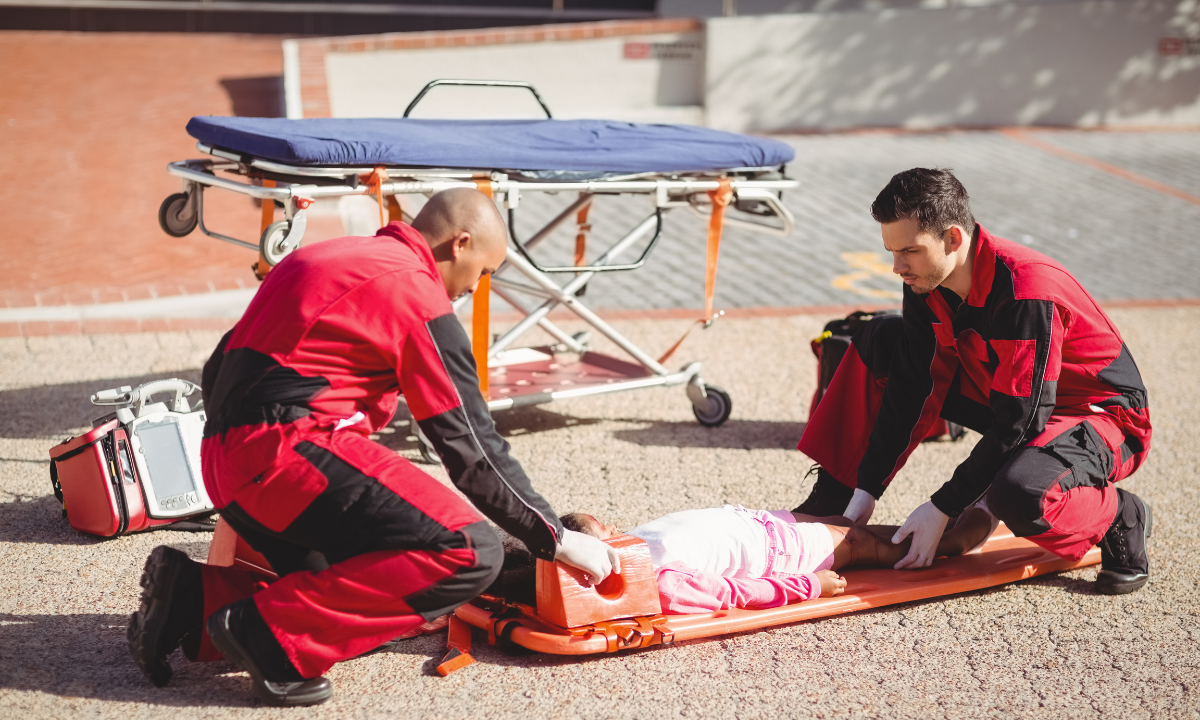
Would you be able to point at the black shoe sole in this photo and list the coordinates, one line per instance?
(309, 692)
(1111, 582)
(146, 625)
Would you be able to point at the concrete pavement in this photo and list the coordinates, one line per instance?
(1048, 647)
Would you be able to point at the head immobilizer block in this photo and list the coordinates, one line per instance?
(566, 599)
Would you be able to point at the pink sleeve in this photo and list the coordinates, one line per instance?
(683, 590)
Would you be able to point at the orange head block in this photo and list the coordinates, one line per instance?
(565, 599)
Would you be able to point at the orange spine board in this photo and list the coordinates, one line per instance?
(1004, 559)
(565, 599)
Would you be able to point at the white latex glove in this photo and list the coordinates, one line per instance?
(590, 554)
(926, 525)
(861, 507)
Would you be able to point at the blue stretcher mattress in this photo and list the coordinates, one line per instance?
(590, 146)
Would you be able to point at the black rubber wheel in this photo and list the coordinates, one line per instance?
(271, 242)
(176, 216)
(719, 407)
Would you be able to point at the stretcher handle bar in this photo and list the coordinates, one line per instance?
(478, 83)
(180, 169)
(566, 296)
(599, 267)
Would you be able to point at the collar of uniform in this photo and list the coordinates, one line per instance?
(983, 267)
(410, 236)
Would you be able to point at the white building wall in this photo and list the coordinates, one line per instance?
(577, 79)
(1075, 64)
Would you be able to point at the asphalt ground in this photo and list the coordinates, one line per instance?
(1046, 647)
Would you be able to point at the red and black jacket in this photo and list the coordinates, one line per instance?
(1027, 343)
(342, 327)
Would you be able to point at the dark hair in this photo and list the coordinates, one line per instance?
(935, 198)
(578, 522)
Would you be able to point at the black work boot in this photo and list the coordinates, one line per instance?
(172, 606)
(241, 634)
(828, 496)
(1125, 566)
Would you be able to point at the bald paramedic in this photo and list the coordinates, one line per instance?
(1005, 341)
(366, 546)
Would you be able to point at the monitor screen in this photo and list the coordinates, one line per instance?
(166, 459)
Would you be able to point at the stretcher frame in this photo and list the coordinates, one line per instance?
(1004, 559)
(544, 380)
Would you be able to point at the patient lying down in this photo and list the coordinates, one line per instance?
(730, 557)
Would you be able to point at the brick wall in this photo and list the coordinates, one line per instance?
(88, 123)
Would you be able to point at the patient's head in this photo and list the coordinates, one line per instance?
(589, 525)
(467, 236)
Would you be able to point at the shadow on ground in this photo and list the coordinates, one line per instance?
(87, 656)
(52, 410)
(40, 520)
(735, 434)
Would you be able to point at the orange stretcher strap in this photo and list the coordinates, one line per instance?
(394, 212)
(1004, 559)
(374, 181)
(720, 200)
(262, 267)
(480, 309)
(581, 236)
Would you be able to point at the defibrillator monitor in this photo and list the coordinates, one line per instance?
(166, 449)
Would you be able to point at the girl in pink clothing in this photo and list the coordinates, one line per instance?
(730, 557)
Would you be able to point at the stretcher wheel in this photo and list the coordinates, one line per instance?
(271, 242)
(716, 408)
(177, 216)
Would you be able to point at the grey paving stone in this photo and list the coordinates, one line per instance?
(1122, 240)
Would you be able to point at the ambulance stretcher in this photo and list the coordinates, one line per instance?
(295, 162)
(623, 612)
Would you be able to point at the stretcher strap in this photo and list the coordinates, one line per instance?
(262, 267)
(480, 310)
(720, 200)
(581, 236)
(374, 181)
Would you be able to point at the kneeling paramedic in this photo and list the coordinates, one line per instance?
(367, 546)
(1003, 340)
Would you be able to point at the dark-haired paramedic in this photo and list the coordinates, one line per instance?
(1005, 341)
(367, 546)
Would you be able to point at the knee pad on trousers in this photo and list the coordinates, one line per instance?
(1015, 496)
(466, 582)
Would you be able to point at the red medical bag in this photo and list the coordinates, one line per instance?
(137, 468)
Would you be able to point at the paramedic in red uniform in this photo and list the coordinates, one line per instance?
(1005, 341)
(367, 546)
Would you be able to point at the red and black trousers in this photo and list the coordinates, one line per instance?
(381, 549)
(1056, 489)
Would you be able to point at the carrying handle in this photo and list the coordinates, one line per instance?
(137, 397)
(478, 83)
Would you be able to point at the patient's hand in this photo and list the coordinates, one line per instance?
(831, 583)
